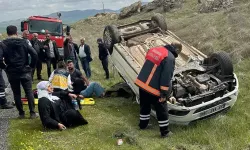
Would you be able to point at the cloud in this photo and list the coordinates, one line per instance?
(15, 9)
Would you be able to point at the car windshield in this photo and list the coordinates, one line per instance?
(38, 26)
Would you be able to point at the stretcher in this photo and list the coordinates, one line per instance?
(85, 101)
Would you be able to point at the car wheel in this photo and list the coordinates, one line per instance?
(222, 63)
(158, 20)
(111, 36)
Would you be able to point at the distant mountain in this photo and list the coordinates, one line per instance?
(4, 24)
(68, 17)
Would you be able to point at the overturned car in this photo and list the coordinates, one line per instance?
(202, 86)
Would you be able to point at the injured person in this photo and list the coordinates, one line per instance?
(56, 109)
(82, 86)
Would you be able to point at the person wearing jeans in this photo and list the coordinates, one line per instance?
(52, 54)
(93, 89)
(85, 57)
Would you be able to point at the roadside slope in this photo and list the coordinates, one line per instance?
(226, 30)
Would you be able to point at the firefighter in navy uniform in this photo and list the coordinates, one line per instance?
(154, 83)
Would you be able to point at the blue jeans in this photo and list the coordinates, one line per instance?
(86, 67)
(93, 88)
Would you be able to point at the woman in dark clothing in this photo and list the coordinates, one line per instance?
(103, 56)
(56, 111)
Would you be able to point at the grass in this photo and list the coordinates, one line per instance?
(227, 30)
(118, 115)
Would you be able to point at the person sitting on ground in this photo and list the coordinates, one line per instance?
(54, 110)
(81, 85)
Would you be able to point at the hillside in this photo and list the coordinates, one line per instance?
(70, 17)
(226, 30)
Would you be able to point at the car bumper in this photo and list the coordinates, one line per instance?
(185, 115)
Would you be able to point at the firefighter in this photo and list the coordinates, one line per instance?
(154, 82)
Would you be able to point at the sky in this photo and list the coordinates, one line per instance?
(16, 9)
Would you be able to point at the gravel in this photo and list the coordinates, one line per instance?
(5, 116)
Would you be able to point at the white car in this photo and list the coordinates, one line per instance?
(202, 86)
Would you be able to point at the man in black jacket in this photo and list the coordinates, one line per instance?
(37, 45)
(154, 82)
(52, 54)
(85, 57)
(15, 52)
(103, 56)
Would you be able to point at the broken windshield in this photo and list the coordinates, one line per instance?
(38, 26)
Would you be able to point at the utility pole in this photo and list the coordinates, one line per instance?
(103, 7)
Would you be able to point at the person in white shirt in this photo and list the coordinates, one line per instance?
(85, 57)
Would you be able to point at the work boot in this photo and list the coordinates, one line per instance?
(33, 115)
(149, 126)
(6, 106)
(21, 116)
(167, 135)
(40, 79)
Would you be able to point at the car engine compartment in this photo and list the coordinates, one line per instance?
(193, 87)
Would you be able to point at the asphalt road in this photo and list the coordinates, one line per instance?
(5, 116)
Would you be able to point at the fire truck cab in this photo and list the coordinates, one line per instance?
(42, 25)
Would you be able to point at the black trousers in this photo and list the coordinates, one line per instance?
(38, 69)
(105, 65)
(49, 62)
(26, 81)
(146, 100)
(3, 99)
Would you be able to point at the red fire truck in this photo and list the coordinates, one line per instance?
(42, 25)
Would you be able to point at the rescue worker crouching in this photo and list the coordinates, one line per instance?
(154, 81)
(60, 78)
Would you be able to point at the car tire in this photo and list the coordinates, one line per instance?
(158, 20)
(225, 65)
(111, 36)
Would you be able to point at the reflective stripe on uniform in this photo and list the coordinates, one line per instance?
(60, 81)
(165, 88)
(147, 87)
(151, 74)
(166, 121)
(163, 123)
(2, 94)
(144, 117)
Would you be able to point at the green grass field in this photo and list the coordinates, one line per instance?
(227, 30)
(118, 115)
